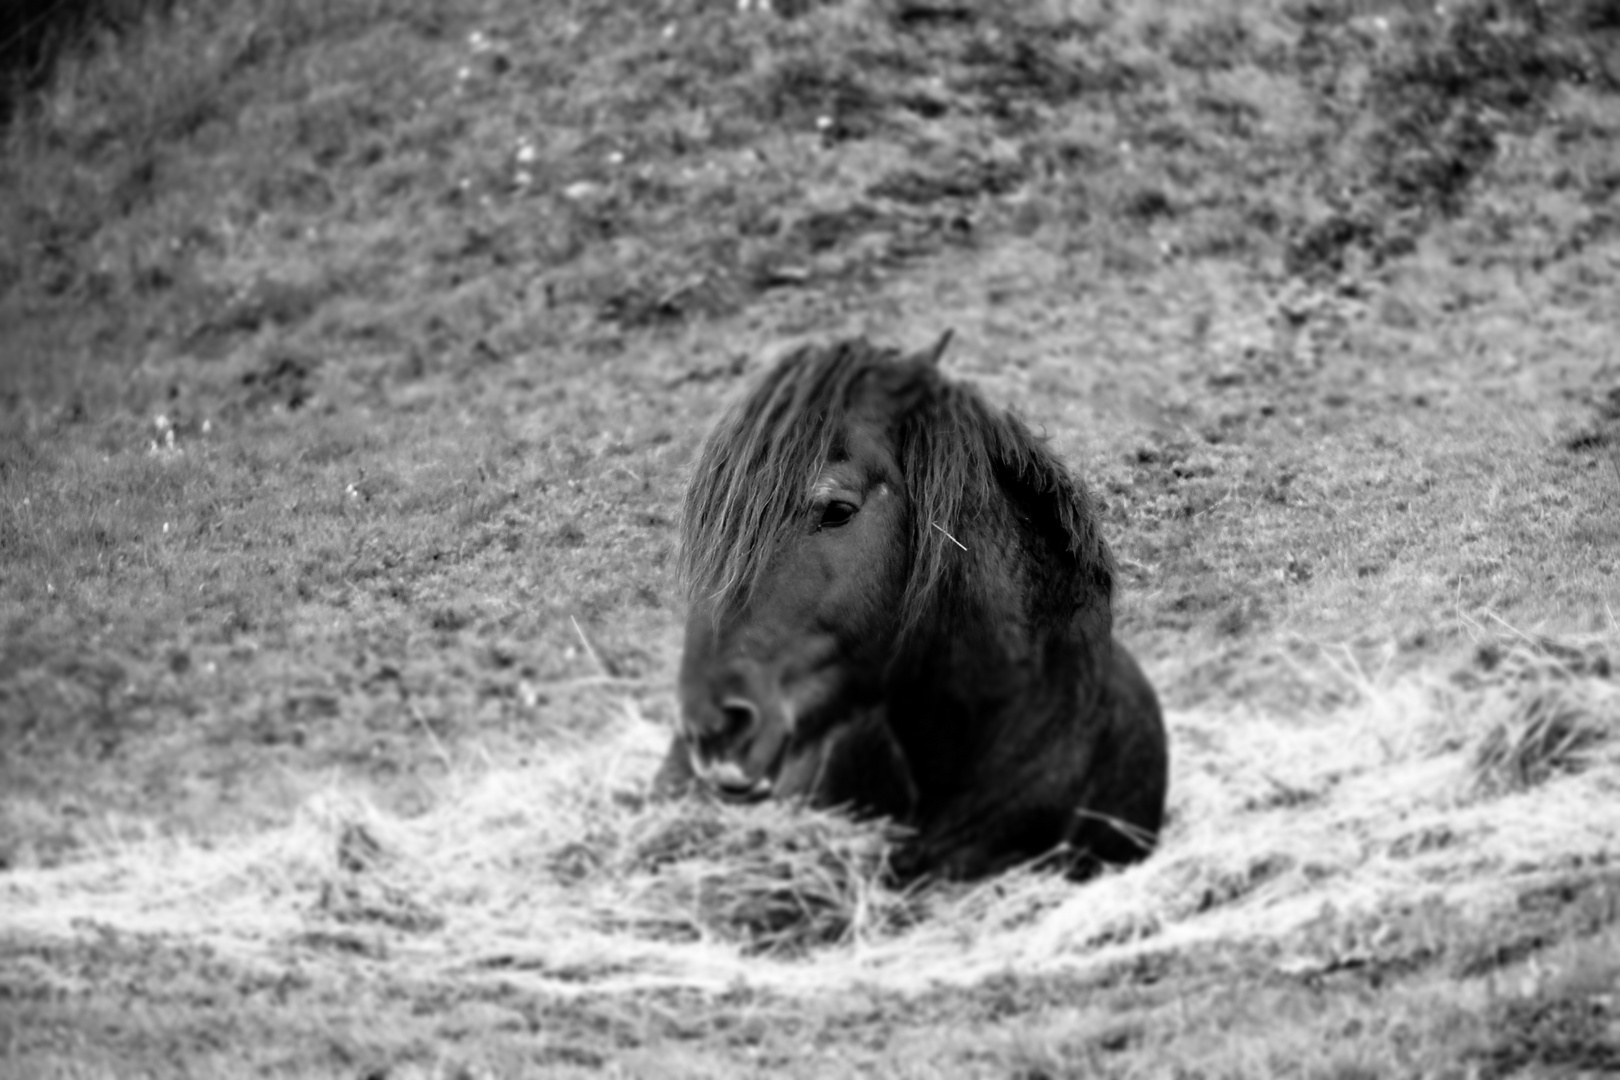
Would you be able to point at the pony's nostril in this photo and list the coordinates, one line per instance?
(737, 719)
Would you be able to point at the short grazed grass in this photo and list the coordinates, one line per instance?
(352, 356)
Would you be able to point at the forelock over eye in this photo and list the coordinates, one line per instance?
(835, 514)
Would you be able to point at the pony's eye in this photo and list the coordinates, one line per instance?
(836, 514)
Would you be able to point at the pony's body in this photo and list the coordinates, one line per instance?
(901, 604)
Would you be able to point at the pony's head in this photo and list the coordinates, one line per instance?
(846, 520)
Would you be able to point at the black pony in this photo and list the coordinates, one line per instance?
(900, 603)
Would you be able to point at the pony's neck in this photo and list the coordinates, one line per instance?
(999, 658)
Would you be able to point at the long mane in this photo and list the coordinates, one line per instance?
(748, 485)
(961, 459)
(965, 462)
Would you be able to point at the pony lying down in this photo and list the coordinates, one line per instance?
(901, 604)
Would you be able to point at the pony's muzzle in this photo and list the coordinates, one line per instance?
(737, 753)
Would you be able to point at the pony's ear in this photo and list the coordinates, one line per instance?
(931, 355)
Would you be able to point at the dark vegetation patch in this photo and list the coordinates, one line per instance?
(656, 218)
(36, 34)
(1444, 103)
(1578, 1035)
(1440, 93)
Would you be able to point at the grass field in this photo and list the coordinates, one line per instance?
(352, 357)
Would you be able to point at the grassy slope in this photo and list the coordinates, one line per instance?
(1314, 295)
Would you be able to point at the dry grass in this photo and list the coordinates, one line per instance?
(774, 880)
(1550, 719)
(1319, 834)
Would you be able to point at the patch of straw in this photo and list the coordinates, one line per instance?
(1457, 793)
(770, 879)
(1552, 718)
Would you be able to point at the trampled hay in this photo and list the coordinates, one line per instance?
(1458, 792)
